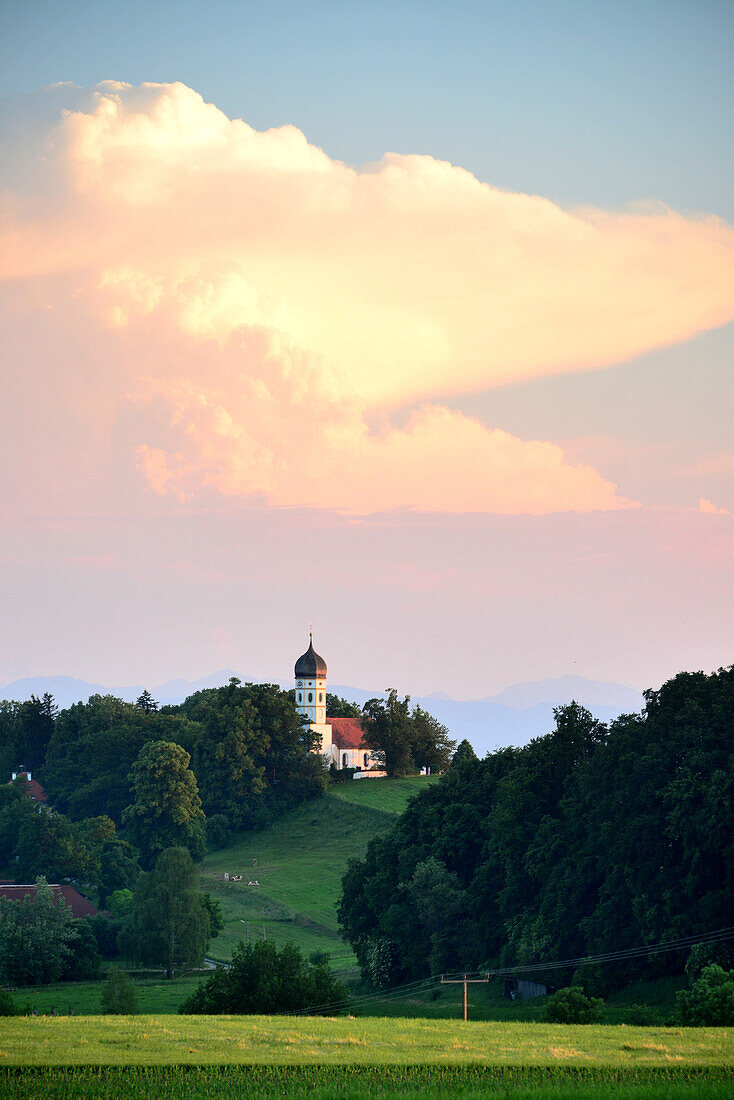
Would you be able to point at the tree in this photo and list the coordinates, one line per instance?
(710, 1000)
(146, 703)
(389, 732)
(464, 756)
(432, 747)
(214, 912)
(440, 904)
(336, 707)
(544, 841)
(118, 994)
(84, 960)
(263, 979)
(36, 937)
(94, 746)
(167, 809)
(251, 753)
(169, 924)
(404, 740)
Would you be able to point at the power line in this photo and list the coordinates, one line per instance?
(405, 989)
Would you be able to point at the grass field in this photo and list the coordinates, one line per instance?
(300, 863)
(284, 1040)
(391, 796)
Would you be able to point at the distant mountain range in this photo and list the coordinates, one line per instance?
(512, 717)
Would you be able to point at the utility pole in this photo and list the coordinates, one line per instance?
(465, 981)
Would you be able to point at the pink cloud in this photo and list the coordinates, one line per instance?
(269, 308)
(705, 505)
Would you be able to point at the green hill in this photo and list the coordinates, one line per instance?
(300, 863)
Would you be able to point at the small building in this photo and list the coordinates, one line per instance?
(521, 989)
(32, 787)
(342, 739)
(79, 905)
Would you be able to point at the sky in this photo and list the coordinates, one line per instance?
(411, 321)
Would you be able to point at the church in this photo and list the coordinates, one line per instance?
(341, 738)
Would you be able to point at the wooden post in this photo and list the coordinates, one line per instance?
(465, 999)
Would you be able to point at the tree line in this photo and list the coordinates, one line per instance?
(591, 839)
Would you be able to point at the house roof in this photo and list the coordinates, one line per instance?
(35, 791)
(79, 906)
(346, 733)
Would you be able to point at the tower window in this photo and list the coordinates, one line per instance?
(299, 696)
(310, 697)
(321, 696)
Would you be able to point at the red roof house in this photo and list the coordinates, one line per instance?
(346, 733)
(32, 787)
(79, 906)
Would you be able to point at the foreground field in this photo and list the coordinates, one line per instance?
(300, 863)
(283, 1040)
(471, 1082)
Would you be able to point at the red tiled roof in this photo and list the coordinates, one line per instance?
(79, 906)
(346, 733)
(35, 790)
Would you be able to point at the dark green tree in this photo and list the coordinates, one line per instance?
(263, 979)
(431, 746)
(167, 809)
(146, 703)
(389, 732)
(214, 912)
(36, 937)
(251, 754)
(169, 924)
(336, 707)
(92, 752)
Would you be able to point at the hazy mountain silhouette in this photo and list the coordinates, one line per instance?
(512, 717)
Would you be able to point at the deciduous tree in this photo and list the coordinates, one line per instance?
(167, 809)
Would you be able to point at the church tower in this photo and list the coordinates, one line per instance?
(310, 672)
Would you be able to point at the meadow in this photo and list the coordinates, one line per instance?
(301, 859)
(286, 1040)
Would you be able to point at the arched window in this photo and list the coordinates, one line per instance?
(366, 759)
(321, 696)
(345, 760)
(310, 697)
(299, 696)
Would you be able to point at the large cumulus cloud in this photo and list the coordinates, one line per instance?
(262, 311)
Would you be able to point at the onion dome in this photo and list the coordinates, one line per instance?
(310, 666)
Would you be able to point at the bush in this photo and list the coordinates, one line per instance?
(262, 980)
(572, 1006)
(641, 1016)
(8, 1006)
(710, 1000)
(118, 994)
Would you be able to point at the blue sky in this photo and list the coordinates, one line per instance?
(584, 102)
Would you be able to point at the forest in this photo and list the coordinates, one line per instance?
(588, 840)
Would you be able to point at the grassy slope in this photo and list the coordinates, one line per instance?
(152, 1040)
(300, 863)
